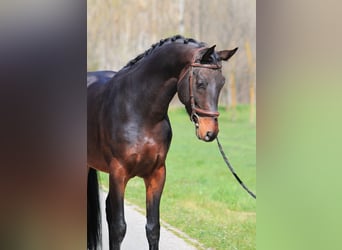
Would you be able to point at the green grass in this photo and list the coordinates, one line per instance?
(201, 197)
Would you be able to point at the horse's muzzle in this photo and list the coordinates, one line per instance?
(206, 128)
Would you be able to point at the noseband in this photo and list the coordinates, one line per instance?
(196, 111)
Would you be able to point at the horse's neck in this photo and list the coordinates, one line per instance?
(153, 82)
(159, 78)
(152, 96)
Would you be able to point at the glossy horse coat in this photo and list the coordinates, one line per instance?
(129, 132)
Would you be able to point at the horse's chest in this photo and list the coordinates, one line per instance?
(144, 156)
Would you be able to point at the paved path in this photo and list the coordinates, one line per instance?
(135, 238)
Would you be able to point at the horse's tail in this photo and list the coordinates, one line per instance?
(93, 211)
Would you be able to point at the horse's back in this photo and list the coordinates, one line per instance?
(99, 77)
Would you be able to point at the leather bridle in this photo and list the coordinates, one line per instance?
(197, 111)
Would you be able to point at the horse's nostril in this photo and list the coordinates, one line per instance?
(209, 135)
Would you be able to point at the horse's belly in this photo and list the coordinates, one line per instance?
(96, 157)
(98, 163)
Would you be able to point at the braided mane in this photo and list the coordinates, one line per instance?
(174, 39)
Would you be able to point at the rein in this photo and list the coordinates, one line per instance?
(195, 112)
(232, 169)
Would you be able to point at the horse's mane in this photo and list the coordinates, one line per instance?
(174, 39)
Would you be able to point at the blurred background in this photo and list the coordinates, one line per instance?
(120, 30)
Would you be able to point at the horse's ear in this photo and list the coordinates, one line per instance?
(205, 54)
(226, 54)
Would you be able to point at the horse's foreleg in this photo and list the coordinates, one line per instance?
(154, 188)
(115, 209)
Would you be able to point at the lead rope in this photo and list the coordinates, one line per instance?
(232, 169)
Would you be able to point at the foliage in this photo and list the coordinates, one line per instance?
(117, 31)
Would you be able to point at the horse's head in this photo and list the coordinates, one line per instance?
(199, 87)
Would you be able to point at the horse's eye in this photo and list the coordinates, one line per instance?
(201, 85)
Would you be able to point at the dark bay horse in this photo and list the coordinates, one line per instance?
(129, 132)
